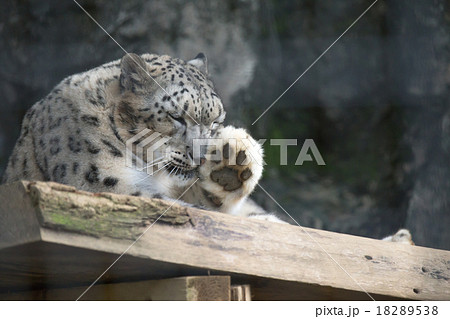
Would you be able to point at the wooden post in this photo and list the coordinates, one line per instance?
(241, 293)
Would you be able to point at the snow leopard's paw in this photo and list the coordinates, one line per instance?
(232, 166)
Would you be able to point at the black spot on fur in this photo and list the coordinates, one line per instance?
(52, 124)
(75, 167)
(92, 175)
(91, 120)
(25, 131)
(31, 112)
(112, 149)
(54, 145)
(136, 194)
(22, 136)
(150, 60)
(45, 169)
(25, 167)
(42, 127)
(110, 181)
(157, 195)
(91, 148)
(112, 124)
(148, 119)
(126, 114)
(213, 199)
(100, 91)
(74, 145)
(90, 97)
(59, 172)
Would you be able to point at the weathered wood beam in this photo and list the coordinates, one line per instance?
(57, 219)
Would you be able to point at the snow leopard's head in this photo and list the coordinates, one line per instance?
(165, 104)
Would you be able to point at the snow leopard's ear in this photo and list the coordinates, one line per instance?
(200, 62)
(133, 73)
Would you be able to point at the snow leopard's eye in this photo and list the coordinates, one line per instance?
(214, 126)
(178, 119)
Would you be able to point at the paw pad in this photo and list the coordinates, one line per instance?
(233, 165)
(226, 177)
(241, 157)
(246, 174)
(226, 151)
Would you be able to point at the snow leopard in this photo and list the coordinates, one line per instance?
(79, 135)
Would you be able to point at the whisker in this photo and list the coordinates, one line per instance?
(136, 129)
(172, 170)
(148, 166)
(152, 163)
(160, 169)
(148, 175)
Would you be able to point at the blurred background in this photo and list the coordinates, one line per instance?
(376, 105)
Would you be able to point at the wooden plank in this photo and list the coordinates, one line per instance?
(102, 214)
(251, 250)
(42, 266)
(201, 288)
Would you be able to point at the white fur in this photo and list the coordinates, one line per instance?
(403, 236)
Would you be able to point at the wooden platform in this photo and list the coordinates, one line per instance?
(55, 239)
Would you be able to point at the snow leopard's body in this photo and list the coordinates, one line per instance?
(78, 135)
